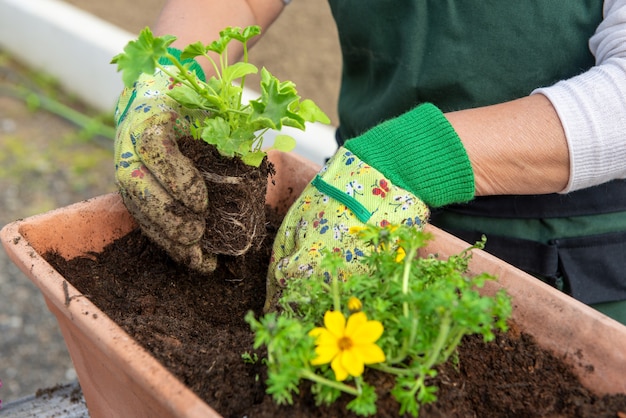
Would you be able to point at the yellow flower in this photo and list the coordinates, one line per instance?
(355, 229)
(400, 254)
(354, 304)
(348, 347)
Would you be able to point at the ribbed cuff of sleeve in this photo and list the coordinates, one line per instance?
(420, 152)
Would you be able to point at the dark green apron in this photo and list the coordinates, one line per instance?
(463, 54)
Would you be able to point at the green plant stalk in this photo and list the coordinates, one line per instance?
(408, 342)
(186, 79)
(335, 290)
(420, 384)
(442, 336)
(457, 333)
(191, 82)
(408, 262)
(257, 144)
(398, 371)
(308, 374)
(444, 331)
(245, 59)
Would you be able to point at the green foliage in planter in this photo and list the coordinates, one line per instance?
(414, 310)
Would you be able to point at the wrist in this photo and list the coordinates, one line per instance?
(420, 152)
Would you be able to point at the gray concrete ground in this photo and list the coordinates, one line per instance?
(45, 164)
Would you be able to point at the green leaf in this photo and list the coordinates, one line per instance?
(141, 56)
(232, 32)
(238, 70)
(250, 32)
(284, 143)
(254, 159)
(272, 109)
(241, 35)
(189, 98)
(216, 132)
(192, 51)
(365, 403)
(324, 395)
(312, 113)
(218, 46)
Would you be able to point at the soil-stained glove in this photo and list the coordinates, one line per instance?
(160, 187)
(389, 175)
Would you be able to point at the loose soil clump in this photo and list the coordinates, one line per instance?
(235, 217)
(194, 325)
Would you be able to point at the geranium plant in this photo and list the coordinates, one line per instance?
(226, 139)
(234, 127)
(404, 318)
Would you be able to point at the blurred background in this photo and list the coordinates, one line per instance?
(56, 150)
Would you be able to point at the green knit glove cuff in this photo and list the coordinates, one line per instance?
(420, 152)
(193, 64)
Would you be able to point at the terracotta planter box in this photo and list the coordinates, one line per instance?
(120, 378)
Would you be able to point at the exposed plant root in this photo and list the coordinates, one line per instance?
(216, 178)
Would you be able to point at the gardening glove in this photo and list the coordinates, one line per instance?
(161, 188)
(388, 176)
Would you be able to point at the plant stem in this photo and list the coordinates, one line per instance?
(308, 374)
(458, 334)
(335, 290)
(245, 59)
(442, 336)
(398, 371)
(214, 65)
(408, 262)
(183, 76)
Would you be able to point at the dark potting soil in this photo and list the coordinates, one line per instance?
(194, 325)
(235, 214)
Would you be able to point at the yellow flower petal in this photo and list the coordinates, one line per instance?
(355, 229)
(367, 332)
(352, 362)
(322, 336)
(316, 331)
(371, 353)
(400, 254)
(325, 354)
(355, 321)
(341, 373)
(335, 323)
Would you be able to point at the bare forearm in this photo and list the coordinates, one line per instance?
(202, 20)
(517, 147)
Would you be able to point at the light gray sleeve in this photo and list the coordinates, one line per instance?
(592, 106)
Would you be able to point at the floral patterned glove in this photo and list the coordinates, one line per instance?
(160, 187)
(371, 181)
